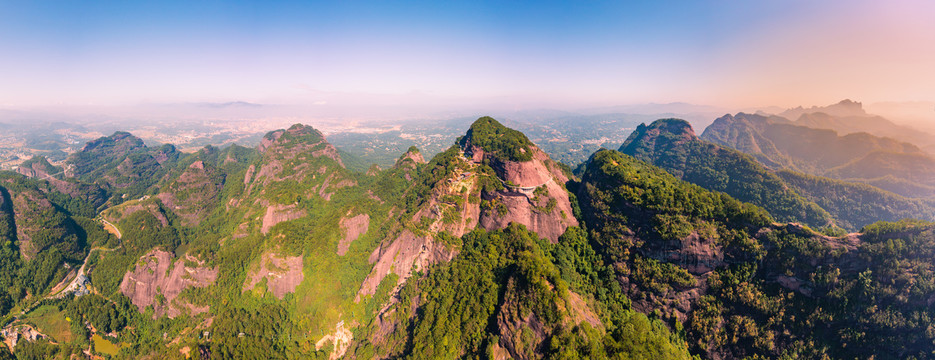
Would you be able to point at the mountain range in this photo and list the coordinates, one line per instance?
(671, 247)
(816, 148)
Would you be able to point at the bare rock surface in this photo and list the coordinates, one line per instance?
(283, 274)
(523, 205)
(276, 214)
(340, 340)
(407, 252)
(153, 277)
(353, 228)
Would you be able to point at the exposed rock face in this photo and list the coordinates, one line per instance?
(409, 162)
(38, 167)
(276, 214)
(411, 158)
(353, 228)
(534, 194)
(152, 277)
(332, 183)
(296, 139)
(282, 274)
(402, 255)
(408, 250)
(340, 340)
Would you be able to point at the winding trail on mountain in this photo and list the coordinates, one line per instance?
(49, 176)
(523, 188)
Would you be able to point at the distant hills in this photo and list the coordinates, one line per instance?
(671, 144)
(813, 145)
(849, 116)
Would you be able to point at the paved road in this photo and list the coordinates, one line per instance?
(113, 226)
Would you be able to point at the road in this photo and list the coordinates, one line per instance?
(74, 282)
(112, 226)
(52, 175)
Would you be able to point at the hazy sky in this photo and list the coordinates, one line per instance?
(582, 53)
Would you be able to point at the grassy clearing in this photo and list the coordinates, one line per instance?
(104, 346)
(51, 321)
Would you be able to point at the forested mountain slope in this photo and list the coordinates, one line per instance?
(787, 195)
(672, 145)
(856, 156)
(122, 165)
(741, 286)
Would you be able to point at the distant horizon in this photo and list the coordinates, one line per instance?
(919, 114)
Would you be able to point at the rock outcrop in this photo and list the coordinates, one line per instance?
(532, 190)
(276, 214)
(282, 274)
(353, 228)
(153, 283)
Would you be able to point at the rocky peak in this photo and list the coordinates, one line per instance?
(294, 134)
(38, 167)
(486, 182)
(661, 134)
(297, 139)
(497, 141)
(413, 154)
(844, 108)
(269, 139)
(533, 186)
(120, 141)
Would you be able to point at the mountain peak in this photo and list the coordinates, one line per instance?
(297, 133)
(122, 139)
(662, 132)
(850, 103)
(410, 158)
(844, 108)
(498, 140)
(674, 126)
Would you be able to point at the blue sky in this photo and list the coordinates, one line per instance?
(727, 53)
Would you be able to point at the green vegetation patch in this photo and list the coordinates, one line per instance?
(499, 140)
(52, 321)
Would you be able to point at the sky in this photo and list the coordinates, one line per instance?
(573, 54)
